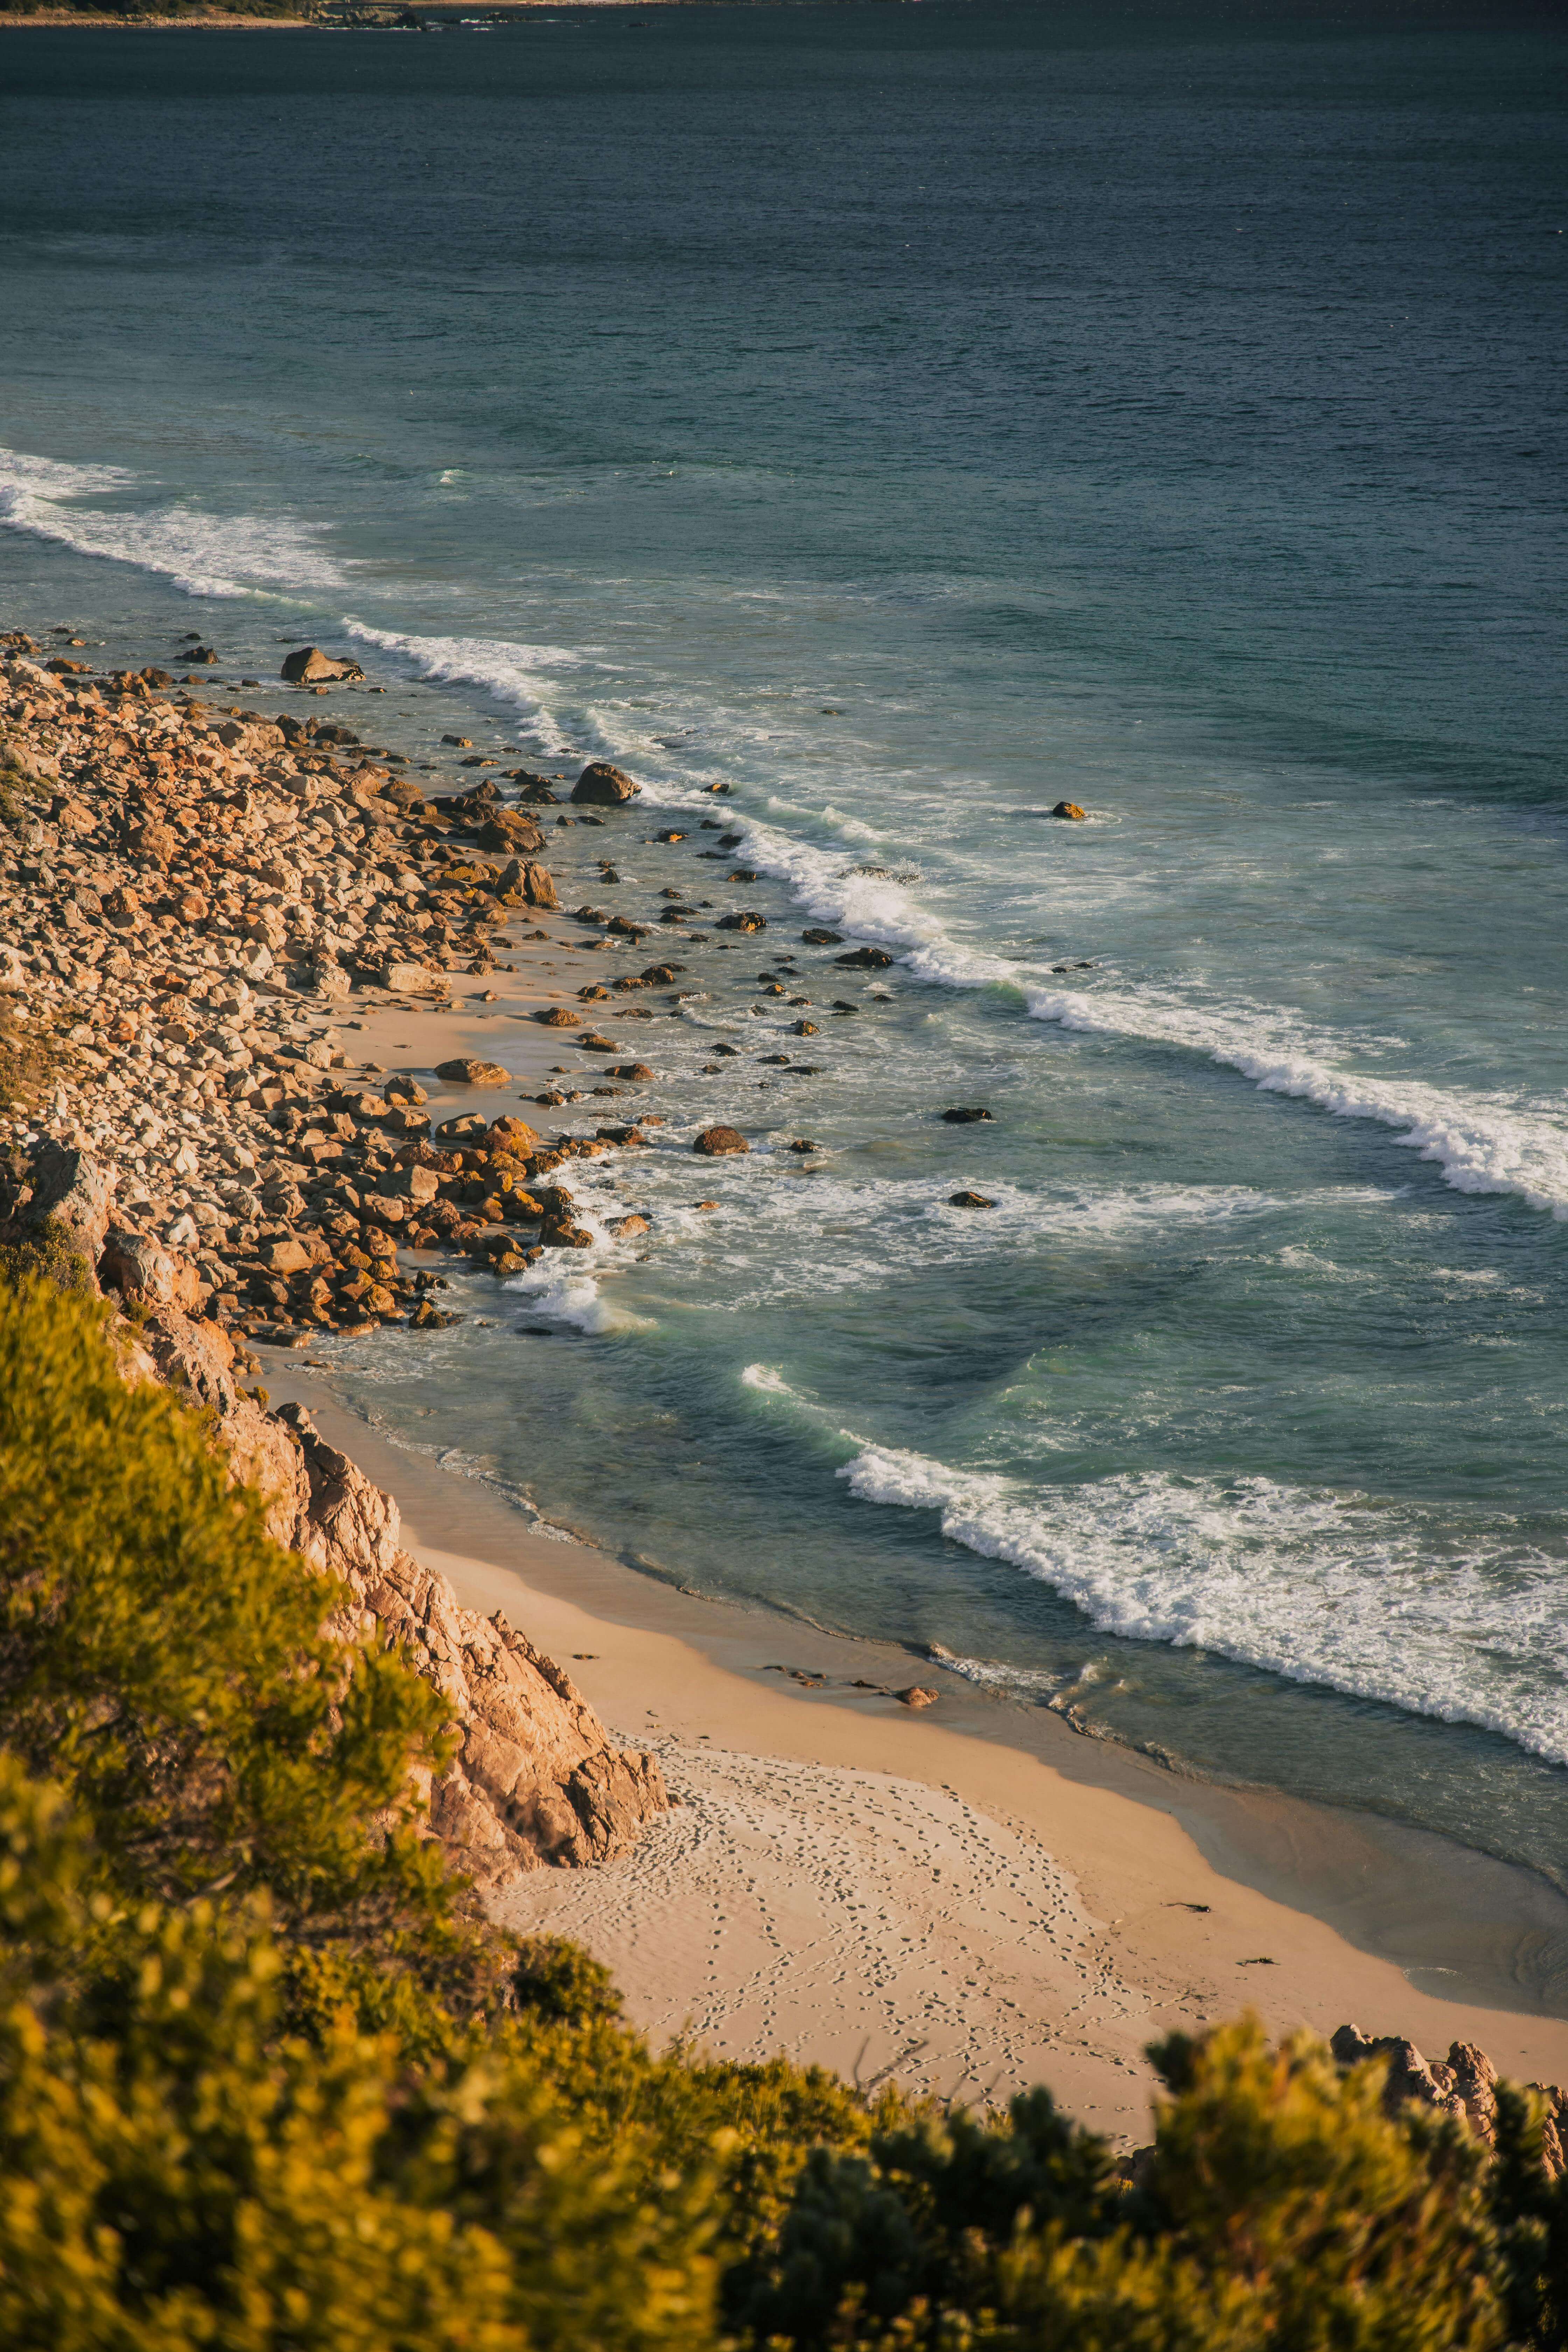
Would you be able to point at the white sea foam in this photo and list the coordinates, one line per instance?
(1316, 1587)
(1483, 1143)
(206, 554)
(844, 1234)
(574, 1299)
(515, 674)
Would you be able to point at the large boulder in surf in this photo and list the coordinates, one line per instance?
(308, 666)
(603, 786)
(864, 959)
(1071, 810)
(714, 1142)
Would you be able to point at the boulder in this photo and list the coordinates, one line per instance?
(964, 1117)
(823, 939)
(72, 1199)
(514, 1135)
(137, 1267)
(308, 666)
(603, 786)
(969, 1201)
(715, 1142)
(864, 959)
(539, 888)
(745, 920)
(466, 1072)
(557, 1016)
(413, 980)
(510, 829)
(1071, 810)
(918, 1695)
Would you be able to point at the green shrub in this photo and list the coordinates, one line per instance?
(166, 1662)
(268, 2084)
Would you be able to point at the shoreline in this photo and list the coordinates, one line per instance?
(1082, 1911)
(1089, 1899)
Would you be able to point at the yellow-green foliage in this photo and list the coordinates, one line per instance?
(166, 1662)
(178, 2171)
(267, 2085)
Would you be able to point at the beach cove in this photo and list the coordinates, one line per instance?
(891, 1896)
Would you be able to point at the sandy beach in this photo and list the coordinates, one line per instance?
(961, 1900)
(868, 1889)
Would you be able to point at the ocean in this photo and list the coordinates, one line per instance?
(913, 416)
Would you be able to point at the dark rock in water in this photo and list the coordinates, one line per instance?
(603, 786)
(669, 836)
(964, 1117)
(864, 959)
(534, 790)
(1070, 809)
(638, 1071)
(311, 667)
(803, 1029)
(969, 1201)
(840, 1005)
(823, 939)
(803, 1143)
(745, 920)
(715, 1142)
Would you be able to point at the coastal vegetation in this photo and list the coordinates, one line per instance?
(269, 2078)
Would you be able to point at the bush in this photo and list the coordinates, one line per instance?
(167, 1663)
(267, 2084)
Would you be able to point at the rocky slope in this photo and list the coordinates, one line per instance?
(190, 894)
(535, 1779)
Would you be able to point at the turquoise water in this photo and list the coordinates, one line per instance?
(912, 417)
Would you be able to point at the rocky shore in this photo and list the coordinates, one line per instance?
(188, 892)
(192, 895)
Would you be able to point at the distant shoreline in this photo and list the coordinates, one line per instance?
(68, 20)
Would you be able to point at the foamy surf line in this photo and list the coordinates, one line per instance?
(1480, 1146)
(1310, 1587)
(203, 554)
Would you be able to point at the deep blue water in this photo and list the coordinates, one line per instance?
(914, 417)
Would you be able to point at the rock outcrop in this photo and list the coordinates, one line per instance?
(1464, 2087)
(535, 1779)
